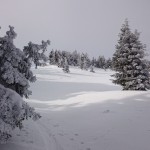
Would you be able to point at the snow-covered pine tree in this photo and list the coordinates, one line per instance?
(52, 58)
(128, 61)
(76, 58)
(15, 75)
(84, 61)
(66, 66)
(58, 58)
(108, 63)
(85, 65)
(101, 62)
(87, 61)
(61, 62)
(92, 69)
(15, 70)
(64, 58)
(35, 52)
(93, 62)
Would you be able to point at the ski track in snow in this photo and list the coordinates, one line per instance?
(50, 141)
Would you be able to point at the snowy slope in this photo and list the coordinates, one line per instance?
(84, 111)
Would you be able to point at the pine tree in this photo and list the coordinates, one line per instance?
(15, 70)
(64, 58)
(84, 62)
(92, 69)
(66, 66)
(58, 58)
(108, 63)
(52, 58)
(101, 62)
(87, 62)
(35, 52)
(76, 58)
(15, 75)
(128, 61)
(93, 62)
(85, 65)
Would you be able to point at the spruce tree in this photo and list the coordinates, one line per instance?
(108, 64)
(92, 69)
(76, 58)
(52, 58)
(15, 75)
(128, 61)
(93, 62)
(35, 52)
(84, 61)
(101, 62)
(15, 68)
(66, 66)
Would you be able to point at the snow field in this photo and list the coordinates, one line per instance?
(83, 111)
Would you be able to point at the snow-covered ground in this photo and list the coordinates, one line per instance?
(83, 111)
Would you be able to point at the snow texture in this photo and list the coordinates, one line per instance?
(83, 111)
(13, 110)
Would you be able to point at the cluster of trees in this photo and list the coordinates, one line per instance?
(82, 60)
(102, 62)
(15, 79)
(132, 70)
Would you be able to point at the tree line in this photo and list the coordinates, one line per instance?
(81, 60)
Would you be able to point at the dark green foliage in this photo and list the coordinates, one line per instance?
(128, 61)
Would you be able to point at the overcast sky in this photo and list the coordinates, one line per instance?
(90, 26)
